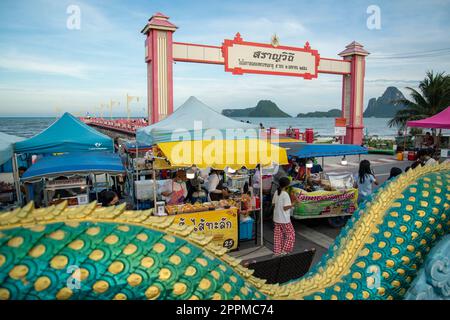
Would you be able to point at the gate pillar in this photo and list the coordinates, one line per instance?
(353, 92)
(159, 59)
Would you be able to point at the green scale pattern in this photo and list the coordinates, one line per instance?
(125, 261)
(113, 262)
(386, 267)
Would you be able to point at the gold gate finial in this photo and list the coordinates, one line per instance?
(275, 41)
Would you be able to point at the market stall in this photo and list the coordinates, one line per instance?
(72, 177)
(195, 137)
(219, 219)
(320, 194)
(438, 121)
(66, 135)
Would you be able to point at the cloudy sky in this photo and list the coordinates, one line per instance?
(46, 68)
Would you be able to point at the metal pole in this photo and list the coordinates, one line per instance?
(137, 174)
(16, 179)
(95, 186)
(154, 189)
(261, 203)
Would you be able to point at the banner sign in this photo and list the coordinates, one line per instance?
(222, 225)
(259, 58)
(340, 126)
(326, 202)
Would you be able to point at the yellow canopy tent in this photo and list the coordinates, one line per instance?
(220, 154)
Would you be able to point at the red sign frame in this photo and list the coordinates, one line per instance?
(240, 71)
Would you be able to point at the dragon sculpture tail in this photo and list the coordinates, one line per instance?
(109, 253)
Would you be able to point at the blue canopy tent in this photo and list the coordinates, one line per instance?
(310, 150)
(74, 163)
(67, 134)
(132, 146)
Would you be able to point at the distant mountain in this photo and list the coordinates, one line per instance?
(333, 113)
(386, 105)
(264, 108)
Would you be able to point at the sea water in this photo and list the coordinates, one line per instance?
(28, 127)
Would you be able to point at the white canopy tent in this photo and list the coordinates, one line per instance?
(193, 117)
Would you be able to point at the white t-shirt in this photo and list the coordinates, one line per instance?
(430, 162)
(212, 183)
(280, 201)
(365, 188)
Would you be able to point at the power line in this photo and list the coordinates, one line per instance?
(411, 55)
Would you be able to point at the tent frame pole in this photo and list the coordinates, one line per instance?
(261, 211)
(17, 179)
(137, 176)
(154, 189)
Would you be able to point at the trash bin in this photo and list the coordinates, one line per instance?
(412, 156)
(400, 156)
(309, 135)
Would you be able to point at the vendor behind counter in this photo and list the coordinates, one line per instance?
(179, 189)
(215, 186)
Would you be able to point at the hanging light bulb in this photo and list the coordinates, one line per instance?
(190, 174)
(309, 164)
(344, 161)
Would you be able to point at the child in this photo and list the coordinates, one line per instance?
(364, 180)
(284, 233)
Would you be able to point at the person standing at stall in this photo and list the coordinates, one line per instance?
(179, 189)
(284, 233)
(364, 180)
(215, 187)
(256, 180)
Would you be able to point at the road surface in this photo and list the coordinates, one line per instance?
(316, 233)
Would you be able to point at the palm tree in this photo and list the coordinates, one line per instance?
(432, 97)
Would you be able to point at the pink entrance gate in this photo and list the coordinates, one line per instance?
(239, 57)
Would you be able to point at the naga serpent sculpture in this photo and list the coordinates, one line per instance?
(87, 252)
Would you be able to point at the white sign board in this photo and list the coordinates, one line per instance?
(340, 131)
(248, 57)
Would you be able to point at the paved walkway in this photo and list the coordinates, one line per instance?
(316, 233)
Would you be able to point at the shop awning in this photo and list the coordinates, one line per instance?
(130, 146)
(7, 146)
(75, 163)
(438, 121)
(311, 150)
(220, 154)
(67, 134)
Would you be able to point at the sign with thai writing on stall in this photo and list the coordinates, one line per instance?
(222, 225)
(259, 58)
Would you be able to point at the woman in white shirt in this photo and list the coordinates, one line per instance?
(216, 191)
(284, 233)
